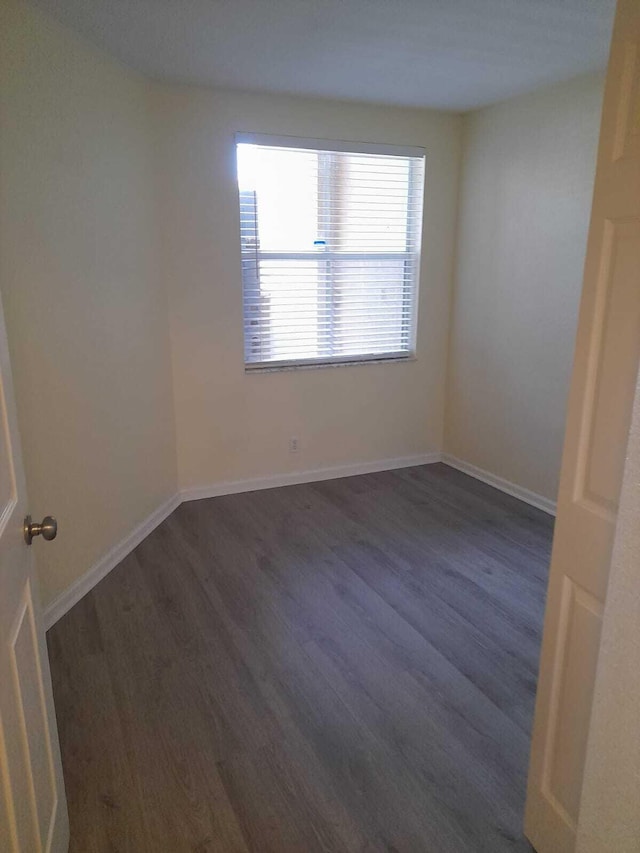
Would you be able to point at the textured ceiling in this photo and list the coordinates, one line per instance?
(449, 54)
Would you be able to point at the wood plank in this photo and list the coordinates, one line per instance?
(338, 666)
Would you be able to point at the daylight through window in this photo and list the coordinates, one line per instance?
(330, 250)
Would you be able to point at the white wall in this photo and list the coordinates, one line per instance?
(231, 425)
(86, 314)
(117, 192)
(526, 187)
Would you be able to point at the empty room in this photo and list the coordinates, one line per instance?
(319, 429)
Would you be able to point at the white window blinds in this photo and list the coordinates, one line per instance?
(330, 250)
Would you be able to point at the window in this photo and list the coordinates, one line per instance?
(330, 238)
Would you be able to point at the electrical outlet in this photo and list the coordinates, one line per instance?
(294, 445)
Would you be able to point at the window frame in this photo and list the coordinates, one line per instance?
(413, 256)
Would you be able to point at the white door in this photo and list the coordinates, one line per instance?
(599, 412)
(33, 810)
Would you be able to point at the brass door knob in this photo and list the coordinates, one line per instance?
(48, 529)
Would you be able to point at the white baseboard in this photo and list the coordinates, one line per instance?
(509, 488)
(79, 588)
(232, 487)
(65, 601)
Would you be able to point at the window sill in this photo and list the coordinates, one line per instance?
(322, 365)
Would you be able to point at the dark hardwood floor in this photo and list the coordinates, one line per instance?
(340, 666)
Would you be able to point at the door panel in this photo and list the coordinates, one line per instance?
(35, 740)
(580, 616)
(610, 388)
(599, 412)
(33, 815)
